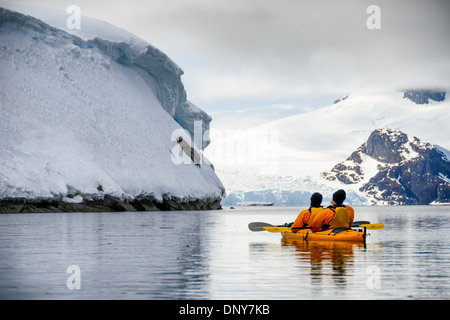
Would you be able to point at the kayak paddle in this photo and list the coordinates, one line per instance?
(264, 226)
(258, 226)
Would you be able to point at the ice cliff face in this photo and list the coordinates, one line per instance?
(94, 117)
(161, 73)
(393, 168)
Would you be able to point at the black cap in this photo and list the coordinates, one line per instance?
(316, 199)
(339, 196)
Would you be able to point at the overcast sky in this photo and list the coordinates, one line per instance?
(247, 53)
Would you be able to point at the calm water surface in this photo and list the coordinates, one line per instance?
(213, 255)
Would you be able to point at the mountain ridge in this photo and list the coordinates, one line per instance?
(408, 171)
(310, 143)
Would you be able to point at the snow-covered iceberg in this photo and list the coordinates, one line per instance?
(96, 118)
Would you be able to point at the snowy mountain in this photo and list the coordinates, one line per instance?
(393, 168)
(313, 142)
(94, 121)
(288, 156)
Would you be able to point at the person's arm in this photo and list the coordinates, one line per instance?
(299, 222)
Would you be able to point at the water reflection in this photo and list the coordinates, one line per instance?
(213, 255)
(327, 259)
(123, 255)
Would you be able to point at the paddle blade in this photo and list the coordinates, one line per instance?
(277, 229)
(258, 226)
(372, 226)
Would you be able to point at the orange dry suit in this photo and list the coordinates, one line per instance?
(305, 218)
(334, 217)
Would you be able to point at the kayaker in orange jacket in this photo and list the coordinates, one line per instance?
(306, 217)
(335, 216)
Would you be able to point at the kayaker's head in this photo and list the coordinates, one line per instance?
(339, 197)
(316, 199)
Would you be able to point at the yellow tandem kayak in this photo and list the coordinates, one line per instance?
(326, 235)
(341, 234)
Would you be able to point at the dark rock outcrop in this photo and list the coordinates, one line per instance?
(407, 171)
(424, 96)
(341, 99)
(107, 204)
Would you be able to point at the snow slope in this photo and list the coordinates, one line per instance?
(301, 147)
(313, 142)
(114, 42)
(92, 117)
(90, 28)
